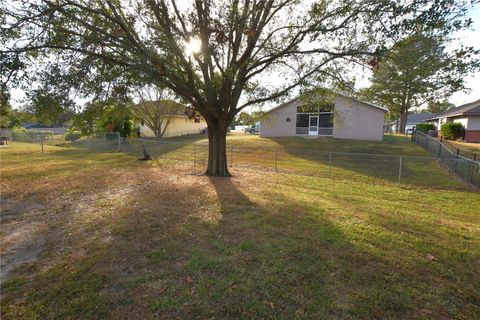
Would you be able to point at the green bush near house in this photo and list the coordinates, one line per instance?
(425, 127)
(452, 130)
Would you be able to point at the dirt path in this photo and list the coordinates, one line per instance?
(22, 240)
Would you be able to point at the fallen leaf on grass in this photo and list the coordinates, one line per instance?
(431, 257)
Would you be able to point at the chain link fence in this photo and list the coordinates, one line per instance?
(460, 152)
(465, 168)
(40, 137)
(192, 155)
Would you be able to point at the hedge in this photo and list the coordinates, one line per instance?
(452, 130)
(425, 127)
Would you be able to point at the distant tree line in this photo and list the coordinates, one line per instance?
(117, 113)
(248, 119)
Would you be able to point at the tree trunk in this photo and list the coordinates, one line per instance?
(217, 150)
(403, 121)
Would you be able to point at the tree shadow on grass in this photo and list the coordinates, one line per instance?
(196, 247)
(159, 149)
(415, 172)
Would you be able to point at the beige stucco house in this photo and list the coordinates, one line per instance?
(179, 125)
(345, 118)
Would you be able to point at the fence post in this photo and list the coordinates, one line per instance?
(400, 171)
(456, 160)
(276, 159)
(194, 156)
(231, 156)
(439, 149)
(119, 142)
(469, 176)
(105, 142)
(41, 139)
(329, 164)
(475, 168)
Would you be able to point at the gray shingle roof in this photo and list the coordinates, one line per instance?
(418, 117)
(468, 109)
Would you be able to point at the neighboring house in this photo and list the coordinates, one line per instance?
(468, 115)
(179, 125)
(412, 121)
(42, 127)
(345, 118)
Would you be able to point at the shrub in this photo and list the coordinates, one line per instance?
(72, 135)
(425, 127)
(19, 130)
(452, 130)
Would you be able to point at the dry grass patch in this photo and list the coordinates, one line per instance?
(128, 239)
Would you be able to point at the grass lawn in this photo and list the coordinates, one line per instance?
(349, 159)
(466, 146)
(102, 235)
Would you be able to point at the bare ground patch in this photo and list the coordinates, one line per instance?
(22, 240)
(144, 241)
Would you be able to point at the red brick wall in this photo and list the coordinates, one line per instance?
(472, 135)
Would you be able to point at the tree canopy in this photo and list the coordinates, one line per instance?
(437, 107)
(249, 119)
(215, 55)
(419, 70)
(50, 107)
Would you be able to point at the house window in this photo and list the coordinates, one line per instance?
(325, 120)
(197, 119)
(302, 120)
(321, 115)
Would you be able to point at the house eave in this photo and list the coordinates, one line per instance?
(464, 114)
(338, 93)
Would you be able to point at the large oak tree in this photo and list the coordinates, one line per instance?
(218, 56)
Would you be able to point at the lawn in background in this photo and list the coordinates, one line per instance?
(465, 146)
(365, 161)
(124, 238)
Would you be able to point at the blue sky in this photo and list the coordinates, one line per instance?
(470, 38)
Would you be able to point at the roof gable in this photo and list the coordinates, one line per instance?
(418, 117)
(471, 108)
(339, 94)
